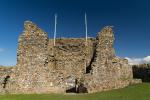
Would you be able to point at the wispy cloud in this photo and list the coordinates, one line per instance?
(1, 50)
(135, 61)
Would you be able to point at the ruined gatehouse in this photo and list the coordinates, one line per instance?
(70, 66)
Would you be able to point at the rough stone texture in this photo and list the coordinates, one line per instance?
(108, 71)
(4, 77)
(70, 66)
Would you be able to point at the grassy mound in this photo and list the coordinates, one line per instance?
(135, 92)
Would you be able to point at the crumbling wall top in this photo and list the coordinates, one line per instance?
(105, 33)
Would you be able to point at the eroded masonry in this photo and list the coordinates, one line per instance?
(70, 66)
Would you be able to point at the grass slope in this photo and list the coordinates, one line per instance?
(135, 92)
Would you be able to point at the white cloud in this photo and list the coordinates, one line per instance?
(1, 50)
(147, 59)
(135, 61)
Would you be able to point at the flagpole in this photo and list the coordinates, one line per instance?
(86, 27)
(55, 30)
(86, 42)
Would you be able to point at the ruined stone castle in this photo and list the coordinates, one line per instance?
(72, 65)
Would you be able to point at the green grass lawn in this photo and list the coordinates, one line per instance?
(135, 92)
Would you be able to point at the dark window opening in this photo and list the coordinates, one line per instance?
(89, 67)
(78, 89)
(72, 90)
(5, 81)
(82, 89)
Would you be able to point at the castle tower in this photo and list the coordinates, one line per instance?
(32, 73)
(104, 49)
(108, 71)
(105, 43)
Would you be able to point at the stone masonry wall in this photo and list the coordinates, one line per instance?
(108, 71)
(71, 55)
(69, 58)
(69, 66)
(32, 73)
(4, 78)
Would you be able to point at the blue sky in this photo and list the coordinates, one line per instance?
(130, 18)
